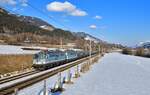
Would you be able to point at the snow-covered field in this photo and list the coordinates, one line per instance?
(11, 49)
(114, 74)
(50, 82)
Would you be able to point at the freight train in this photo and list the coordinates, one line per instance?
(47, 59)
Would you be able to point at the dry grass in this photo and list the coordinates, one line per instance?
(10, 63)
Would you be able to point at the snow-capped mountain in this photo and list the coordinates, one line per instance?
(47, 27)
(144, 44)
(87, 37)
(36, 22)
(91, 38)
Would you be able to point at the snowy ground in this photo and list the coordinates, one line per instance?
(114, 74)
(50, 82)
(11, 49)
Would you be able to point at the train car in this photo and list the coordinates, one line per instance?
(47, 59)
(71, 55)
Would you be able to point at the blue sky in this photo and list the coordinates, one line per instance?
(118, 21)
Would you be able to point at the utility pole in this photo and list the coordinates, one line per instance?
(61, 42)
(99, 49)
(90, 51)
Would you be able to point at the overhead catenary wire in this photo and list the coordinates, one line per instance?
(40, 11)
(12, 11)
(53, 19)
(44, 13)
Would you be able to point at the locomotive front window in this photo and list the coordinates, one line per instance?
(35, 56)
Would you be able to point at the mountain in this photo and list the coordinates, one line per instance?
(144, 44)
(18, 28)
(36, 22)
(11, 24)
(87, 37)
(30, 20)
(3, 11)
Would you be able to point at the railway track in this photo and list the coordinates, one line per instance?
(9, 89)
(11, 78)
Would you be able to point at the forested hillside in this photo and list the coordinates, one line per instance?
(15, 29)
(24, 27)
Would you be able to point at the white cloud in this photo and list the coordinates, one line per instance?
(9, 2)
(14, 2)
(66, 7)
(23, 3)
(59, 7)
(98, 17)
(78, 13)
(93, 26)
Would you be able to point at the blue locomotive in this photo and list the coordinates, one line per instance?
(47, 59)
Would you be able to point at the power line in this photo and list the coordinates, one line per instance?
(44, 13)
(12, 11)
(40, 11)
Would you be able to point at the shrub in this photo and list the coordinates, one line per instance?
(139, 52)
(10, 63)
(126, 51)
